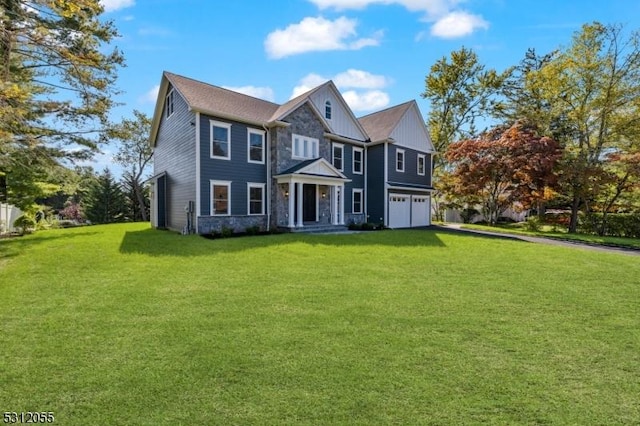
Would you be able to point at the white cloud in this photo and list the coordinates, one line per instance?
(369, 100)
(317, 34)
(458, 24)
(265, 93)
(151, 96)
(431, 8)
(112, 5)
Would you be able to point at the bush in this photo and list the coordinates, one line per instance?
(618, 224)
(26, 223)
(533, 224)
(252, 230)
(355, 226)
(226, 232)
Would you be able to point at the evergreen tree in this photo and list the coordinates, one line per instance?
(105, 201)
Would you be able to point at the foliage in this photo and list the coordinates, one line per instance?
(502, 167)
(26, 223)
(533, 224)
(56, 88)
(135, 155)
(104, 202)
(72, 211)
(613, 224)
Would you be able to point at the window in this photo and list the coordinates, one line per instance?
(220, 198)
(338, 155)
(255, 148)
(400, 160)
(304, 148)
(168, 106)
(357, 201)
(357, 161)
(421, 163)
(327, 110)
(220, 140)
(256, 198)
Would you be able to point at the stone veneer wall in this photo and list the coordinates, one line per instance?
(354, 218)
(209, 224)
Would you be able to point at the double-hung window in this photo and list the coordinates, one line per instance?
(220, 198)
(421, 164)
(255, 198)
(304, 148)
(400, 160)
(327, 110)
(220, 140)
(338, 156)
(357, 201)
(357, 161)
(255, 141)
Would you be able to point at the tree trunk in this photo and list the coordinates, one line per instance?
(575, 207)
(141, 204)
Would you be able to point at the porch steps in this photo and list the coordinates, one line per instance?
(318, 229)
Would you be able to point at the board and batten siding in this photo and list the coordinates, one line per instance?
(411, 132)
(375, 183)
(342, 123)
(237, 170)
(175, 154)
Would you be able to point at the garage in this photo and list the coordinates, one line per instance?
(408, 211)
(420, 210)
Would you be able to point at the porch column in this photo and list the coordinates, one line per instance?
(299, 206)
(341, 207)
(334, 205)
(291, 223)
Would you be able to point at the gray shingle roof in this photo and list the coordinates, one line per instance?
(381, 124)
(217, 100)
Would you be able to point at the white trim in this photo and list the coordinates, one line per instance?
(226, 183)
(386, 179)
(366, 171)
(198, 211)
(355, 191)
(328, 108)
(408, 189)
(353, 160)
(169, 100)
(404, 160)
(260, 133)
(220, 124)
(262, 187)
(333, 158)
(424, 164)
(313, 149)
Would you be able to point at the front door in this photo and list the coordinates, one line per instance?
(309, 200)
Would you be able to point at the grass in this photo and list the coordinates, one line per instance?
(551, 232)
(125, 325)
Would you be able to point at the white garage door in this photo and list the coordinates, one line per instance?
(419, 210)
(399, 211)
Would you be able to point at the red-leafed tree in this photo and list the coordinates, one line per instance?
(503, 167)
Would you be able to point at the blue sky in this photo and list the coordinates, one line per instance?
(378, 52)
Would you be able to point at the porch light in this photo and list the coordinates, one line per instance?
(324, 194)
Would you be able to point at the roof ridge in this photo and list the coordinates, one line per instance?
(388, 108)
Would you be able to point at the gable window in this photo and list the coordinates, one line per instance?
(220, 198)
(421, 164)
(220, 140)
(338, 155)
(357, 161)
(255, 198)
(168, 105)
(304, 148)
(327, 110)
(255, 141)
(400, 160)
(357, 201)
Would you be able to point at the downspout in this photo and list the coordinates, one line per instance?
(386, 179)
(365, 159)
(198, 191)
(268, 168)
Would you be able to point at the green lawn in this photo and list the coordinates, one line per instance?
(123, 325)
(549, 232)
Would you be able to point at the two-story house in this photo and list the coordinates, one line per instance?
(225, 159)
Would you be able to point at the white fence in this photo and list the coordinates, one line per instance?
(8, 215)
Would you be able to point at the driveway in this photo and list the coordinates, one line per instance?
(457, 227)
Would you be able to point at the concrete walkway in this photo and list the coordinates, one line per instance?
(457, 227)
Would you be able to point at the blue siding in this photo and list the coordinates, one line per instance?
(237, 170)
(175, 154)
(410, 174)
(375, 183)
(357, 181)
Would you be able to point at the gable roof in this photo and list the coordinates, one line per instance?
(317, 167)
(381, 124)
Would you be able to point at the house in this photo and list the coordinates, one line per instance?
(227, 160)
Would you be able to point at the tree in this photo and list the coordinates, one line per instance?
(56, 83)
(133, 191)
(502, 167)
(104, 202)
(594, 85)
(135, 156)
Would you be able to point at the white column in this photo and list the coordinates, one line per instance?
(291, 224)
(334, 205)
(299, 206)
(341, 207)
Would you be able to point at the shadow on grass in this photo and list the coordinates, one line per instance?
(11, 247)
(165, 243)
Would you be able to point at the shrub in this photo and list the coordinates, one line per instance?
(618, 225)
(355, 226)
(252, 230)
(226, 232)
(533, 224)
(26, 223)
